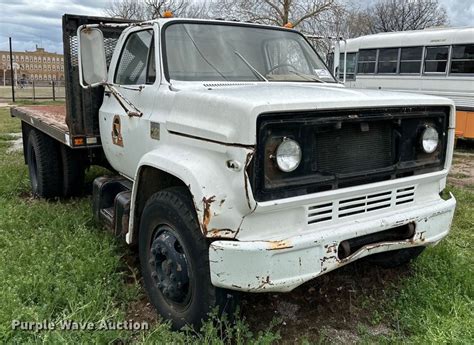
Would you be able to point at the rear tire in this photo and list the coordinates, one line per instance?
(42, 156)
(73, 172)
(395, 258)
(174, 259)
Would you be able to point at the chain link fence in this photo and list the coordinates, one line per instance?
(34, 90)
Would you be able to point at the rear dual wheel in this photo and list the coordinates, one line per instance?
(54, 169)
(73, 172)
(44, 167)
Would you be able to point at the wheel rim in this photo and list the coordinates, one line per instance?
(33, 169)
(169, 267)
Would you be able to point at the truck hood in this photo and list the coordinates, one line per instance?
(227, 113)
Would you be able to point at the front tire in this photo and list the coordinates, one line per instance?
(174, 259)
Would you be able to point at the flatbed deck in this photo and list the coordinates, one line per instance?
(53, 115)
(50, 119)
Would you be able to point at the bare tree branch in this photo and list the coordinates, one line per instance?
(151, 9)
(400, 15)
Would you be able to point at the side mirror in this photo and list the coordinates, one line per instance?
(92, 63)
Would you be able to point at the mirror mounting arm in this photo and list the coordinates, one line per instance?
(128, 106)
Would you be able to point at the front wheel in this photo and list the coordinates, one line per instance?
(174, 259)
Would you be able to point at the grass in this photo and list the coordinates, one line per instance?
(56, 265)
(435, 304)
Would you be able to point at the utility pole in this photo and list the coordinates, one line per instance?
(11, 69)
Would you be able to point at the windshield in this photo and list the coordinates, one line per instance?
(219, 52)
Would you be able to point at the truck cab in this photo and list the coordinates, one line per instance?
(243, 166)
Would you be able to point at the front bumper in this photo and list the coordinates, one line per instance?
(262, 266)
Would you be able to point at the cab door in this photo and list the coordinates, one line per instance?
(133, 75)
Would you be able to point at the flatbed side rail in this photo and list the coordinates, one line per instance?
(42, 124)
(51, 121)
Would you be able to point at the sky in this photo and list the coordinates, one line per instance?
(38, 22)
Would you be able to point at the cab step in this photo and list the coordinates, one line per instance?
(111, 203)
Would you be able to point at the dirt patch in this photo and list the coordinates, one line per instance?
(462, 170)
(331, 307)
(15, 145)
(141, 311)
(339, 336)
(14, 140)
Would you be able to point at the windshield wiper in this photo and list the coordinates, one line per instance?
(307, 76)
(202, 55)
(253, 69)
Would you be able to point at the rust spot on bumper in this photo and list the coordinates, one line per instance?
(276, 245)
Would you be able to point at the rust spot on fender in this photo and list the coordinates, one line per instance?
(276, 245)
(215, 233)
(207, 212)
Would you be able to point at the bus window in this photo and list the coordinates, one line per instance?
(436, 59)
(462, 60)
(410, 59)
(388, 60)
(366, 62)
(351, 64)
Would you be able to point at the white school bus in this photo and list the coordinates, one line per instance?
(431, 61)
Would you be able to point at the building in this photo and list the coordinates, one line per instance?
(38, 66)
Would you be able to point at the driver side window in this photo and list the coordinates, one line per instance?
(136, 65)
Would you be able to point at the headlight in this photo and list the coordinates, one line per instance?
(429, 139)
(288, 155)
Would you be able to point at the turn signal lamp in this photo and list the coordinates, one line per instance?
(168, 14)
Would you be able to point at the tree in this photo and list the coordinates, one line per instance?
(276, 12)
(355, 23)
(389, 15)
(152, 9)
(127, 9)
(401, 15)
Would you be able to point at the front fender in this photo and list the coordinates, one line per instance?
(221, 196)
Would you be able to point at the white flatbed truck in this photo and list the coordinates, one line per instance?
(241, 164)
